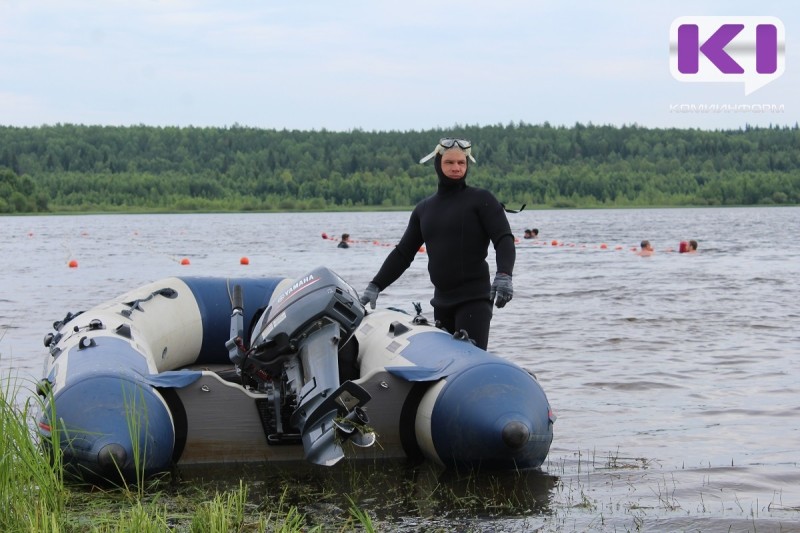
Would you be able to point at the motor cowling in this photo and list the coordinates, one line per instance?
(296, 312)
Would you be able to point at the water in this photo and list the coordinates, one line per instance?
(675, 378)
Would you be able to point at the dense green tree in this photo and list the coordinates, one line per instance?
(19, 194)
(77, 168)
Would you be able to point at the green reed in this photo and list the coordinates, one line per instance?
(32, 493)
(137, 422)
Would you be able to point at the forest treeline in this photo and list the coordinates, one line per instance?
(142, 168)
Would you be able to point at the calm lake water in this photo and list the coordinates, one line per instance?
(675, 378)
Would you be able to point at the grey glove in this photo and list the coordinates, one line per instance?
(370, 295)
(502, 288)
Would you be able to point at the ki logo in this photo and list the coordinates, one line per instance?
(748, 50)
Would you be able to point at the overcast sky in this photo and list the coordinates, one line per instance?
(372, 65)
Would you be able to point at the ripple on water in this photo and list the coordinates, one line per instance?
(631, 385)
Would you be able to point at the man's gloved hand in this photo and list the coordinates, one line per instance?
(370, 295)
(502, 288)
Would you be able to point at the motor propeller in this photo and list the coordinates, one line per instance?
(353, 428)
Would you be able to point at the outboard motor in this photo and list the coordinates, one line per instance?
(293, 360)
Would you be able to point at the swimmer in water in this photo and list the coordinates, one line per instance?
(646, 249)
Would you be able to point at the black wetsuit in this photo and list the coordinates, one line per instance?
(456, 224)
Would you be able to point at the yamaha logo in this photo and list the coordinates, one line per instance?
(298, 286)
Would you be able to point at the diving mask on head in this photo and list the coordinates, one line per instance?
(448, 143)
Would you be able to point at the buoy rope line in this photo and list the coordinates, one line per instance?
(519, 242)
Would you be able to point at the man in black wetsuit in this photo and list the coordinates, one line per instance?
(456, 224)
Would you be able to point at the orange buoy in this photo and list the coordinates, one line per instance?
(244, 261)
(72, 263)
(185, 261)
(554, 242)
(324, 235)
(422, 249)
(603, 246)
(618, 247)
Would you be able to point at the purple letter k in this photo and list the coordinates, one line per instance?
(714, 49)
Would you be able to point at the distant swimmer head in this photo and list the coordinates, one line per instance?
(449, 143)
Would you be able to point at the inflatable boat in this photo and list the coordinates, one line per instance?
(195, 370)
